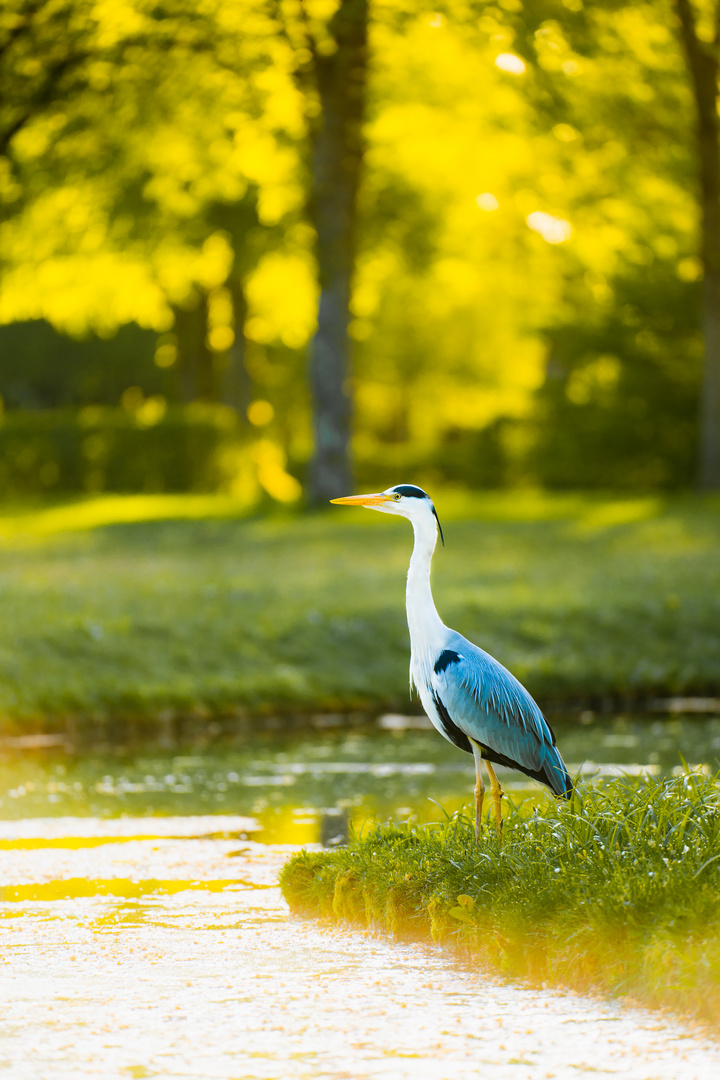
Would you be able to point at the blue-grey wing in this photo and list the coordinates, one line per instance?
(484, 702)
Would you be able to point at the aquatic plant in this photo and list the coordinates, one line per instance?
(617, 891)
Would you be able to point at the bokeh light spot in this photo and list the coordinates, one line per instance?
(487, 201)
(510, 63)
(260, 413)
(552, 229)
(220, 338)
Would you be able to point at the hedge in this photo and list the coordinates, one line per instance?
(153, 448)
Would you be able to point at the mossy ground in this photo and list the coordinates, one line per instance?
(617, 892)
(131, 606)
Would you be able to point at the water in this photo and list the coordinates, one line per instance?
(143, 934)
(295, 789)
(184, 962)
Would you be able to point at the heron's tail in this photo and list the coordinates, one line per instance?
(555, 775)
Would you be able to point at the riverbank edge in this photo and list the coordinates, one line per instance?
(166, 729)
(523, 958)
(653, 958)
(171, 727)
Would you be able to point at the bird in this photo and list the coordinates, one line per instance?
(470, 698)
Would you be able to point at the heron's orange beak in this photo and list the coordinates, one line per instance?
(362, 500)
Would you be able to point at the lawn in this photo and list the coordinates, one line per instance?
(142, 606)
(615, 892)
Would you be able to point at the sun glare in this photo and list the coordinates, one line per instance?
(510, 63)
(552, 229)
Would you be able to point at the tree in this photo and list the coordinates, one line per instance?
(702, 59)
(332, 73)
(87, 99)
(337, 152)
(196, 146)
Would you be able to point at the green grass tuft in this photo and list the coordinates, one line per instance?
(617, 891)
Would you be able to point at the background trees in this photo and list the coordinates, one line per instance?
(700, 35)
(491, 206)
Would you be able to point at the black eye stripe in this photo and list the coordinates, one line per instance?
(410, 491)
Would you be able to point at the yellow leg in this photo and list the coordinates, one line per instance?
(497, 794)
(479, 789)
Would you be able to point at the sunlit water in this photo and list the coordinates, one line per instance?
(159, 944)
(289, 785)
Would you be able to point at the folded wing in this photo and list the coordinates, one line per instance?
(477, 698)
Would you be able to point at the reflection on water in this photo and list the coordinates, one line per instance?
(131, 952)
(144, 935)
(304, 789)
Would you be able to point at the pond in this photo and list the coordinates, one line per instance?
(298, 789)
(144, 935)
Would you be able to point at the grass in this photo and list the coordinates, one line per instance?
(616, 892)
(143, 606)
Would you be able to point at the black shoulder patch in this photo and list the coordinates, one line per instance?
(445, 659)
(410, 491)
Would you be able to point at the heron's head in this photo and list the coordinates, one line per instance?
(407, 500)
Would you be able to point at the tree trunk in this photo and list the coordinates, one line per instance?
(237, 388)
(337, 153)
(241, 221)
(702, 59)
(195, 362)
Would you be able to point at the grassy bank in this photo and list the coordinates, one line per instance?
(141, 606)
(617, 892)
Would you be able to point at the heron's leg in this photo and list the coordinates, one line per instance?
(479, 789)
(497, 793)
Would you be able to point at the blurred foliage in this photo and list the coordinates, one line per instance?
(619, 402)
(144, 446)
(42, 369)
(526, 304)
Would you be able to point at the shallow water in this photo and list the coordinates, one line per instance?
(130, 951)
(143, 933)
(134, 955)
(296, 789)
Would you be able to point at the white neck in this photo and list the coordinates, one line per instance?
(427, 630)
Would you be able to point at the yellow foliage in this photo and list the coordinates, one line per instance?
(166, 353)
(75, 293)
(270, 461)
(260, 413)
(117, 19)
(282, 294)
(596, 378)
(486, 209)
(690, 269)
(220, 338)
(151, 411)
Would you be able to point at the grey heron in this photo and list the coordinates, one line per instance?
(470, 698)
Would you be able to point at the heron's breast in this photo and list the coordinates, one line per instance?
(428, 703)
